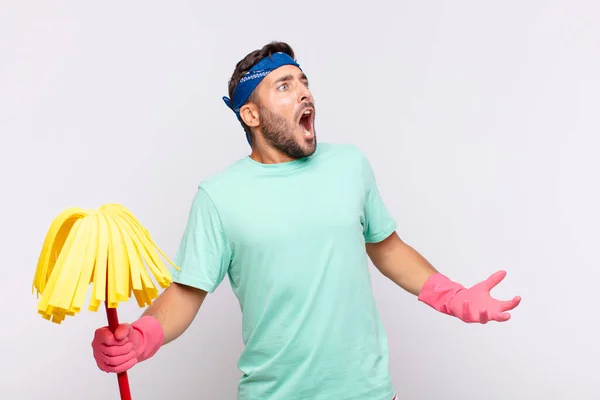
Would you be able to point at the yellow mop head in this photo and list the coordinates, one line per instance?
(106, 247)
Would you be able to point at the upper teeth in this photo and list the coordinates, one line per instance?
(306, 112)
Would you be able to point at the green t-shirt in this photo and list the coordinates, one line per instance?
(291, 238)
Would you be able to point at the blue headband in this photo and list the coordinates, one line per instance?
(251, 80)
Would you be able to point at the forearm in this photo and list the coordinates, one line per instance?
(412, 274)
(175, 309)
(401, 263)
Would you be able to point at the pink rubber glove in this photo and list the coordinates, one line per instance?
(131, 344)
(470, 305)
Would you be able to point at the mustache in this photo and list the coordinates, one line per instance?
(304, 106)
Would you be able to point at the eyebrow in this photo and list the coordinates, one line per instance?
(289, 77)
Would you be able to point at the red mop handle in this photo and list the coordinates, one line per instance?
(113, 323)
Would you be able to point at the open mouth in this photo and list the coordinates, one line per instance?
(306, 122)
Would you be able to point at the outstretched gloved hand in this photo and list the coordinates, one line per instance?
(473, 305)
(129, 345)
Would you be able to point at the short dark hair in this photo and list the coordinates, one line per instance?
(244, 65)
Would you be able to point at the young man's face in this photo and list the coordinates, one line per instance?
(286, 112)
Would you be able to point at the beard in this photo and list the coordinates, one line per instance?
(280, 134)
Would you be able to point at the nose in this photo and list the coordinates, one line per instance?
(304, 94)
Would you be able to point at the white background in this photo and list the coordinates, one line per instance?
(481, 120)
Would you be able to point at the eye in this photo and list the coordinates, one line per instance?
(283, 86)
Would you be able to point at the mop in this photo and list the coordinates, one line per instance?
(107, 248)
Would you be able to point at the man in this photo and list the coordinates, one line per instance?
(292, 227)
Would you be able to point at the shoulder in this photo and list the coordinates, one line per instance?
(338, 148)
(226, 182)
(352, 159)
(346, 153)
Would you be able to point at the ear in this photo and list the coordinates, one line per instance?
(249, 114)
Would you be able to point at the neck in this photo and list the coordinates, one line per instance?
(268, 155)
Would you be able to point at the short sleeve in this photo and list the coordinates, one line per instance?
(378, 224)
(204, 253)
